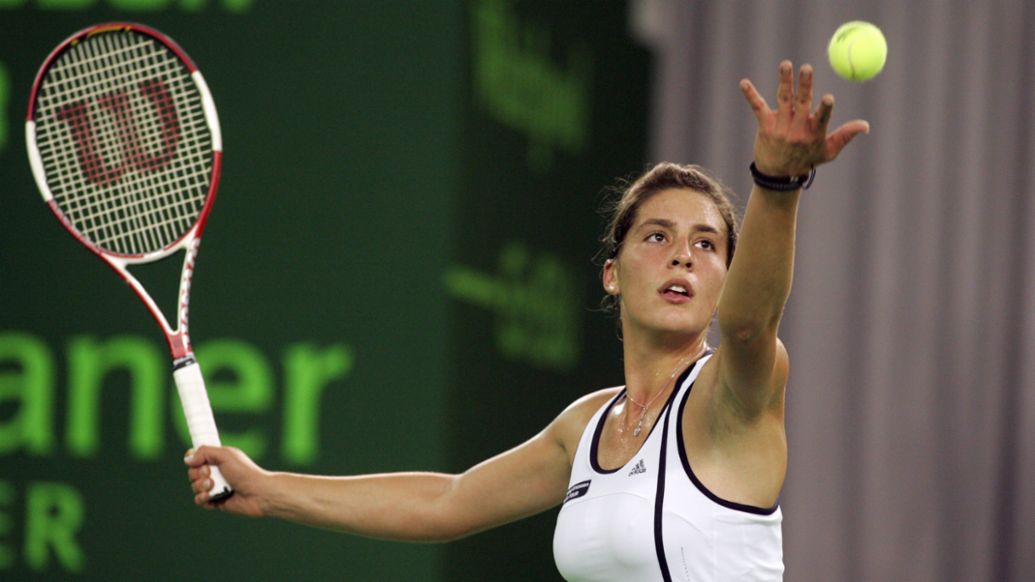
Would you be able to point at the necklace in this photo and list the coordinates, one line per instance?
(643, 407)
(643, 410)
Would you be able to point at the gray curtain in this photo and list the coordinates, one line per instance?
(911, 409)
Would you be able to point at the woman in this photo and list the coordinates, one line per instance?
(674, 476)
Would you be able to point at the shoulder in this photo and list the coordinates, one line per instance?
(586, 406)
(571, 423)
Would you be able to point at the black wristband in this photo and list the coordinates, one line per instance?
(782, 183)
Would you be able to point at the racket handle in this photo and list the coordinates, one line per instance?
(200, 421)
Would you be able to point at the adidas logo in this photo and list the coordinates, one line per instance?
(640, 468)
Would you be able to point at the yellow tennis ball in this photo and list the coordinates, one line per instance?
(857, 51)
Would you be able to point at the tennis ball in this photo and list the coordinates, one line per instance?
(857, 51)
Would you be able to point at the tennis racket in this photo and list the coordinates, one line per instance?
(124, 143)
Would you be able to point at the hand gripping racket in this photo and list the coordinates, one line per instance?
(124, 143)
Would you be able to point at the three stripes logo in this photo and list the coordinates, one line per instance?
(639, 469)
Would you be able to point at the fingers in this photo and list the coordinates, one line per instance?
(754, 99)
(201, 500)
(823, 112)
(204, 455)
(195, 473)
(840, 137)
(785, 89)
(803, 101)
(792, 131)
(789, 103)
(199, 480)
(198, 472)
(201, 487)
(792, 104)
(192, 459)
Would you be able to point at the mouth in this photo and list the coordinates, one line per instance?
(677, 291)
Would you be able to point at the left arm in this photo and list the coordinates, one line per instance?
(791, 140)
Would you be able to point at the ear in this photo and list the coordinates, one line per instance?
(610, 278)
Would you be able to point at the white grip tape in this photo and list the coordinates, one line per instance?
(200, 422)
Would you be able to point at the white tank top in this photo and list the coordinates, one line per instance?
(653, 519)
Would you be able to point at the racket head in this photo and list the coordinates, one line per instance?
(124, 141)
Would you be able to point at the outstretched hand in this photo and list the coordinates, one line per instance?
(793, 138)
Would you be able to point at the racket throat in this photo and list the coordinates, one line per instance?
(179, 342)
(157, 277)
(180, 348)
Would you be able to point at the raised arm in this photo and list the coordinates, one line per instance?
(404, 506)
(791, 141)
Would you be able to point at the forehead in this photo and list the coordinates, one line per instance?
(681, 206)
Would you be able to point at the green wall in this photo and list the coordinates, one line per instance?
(396, 275)
(556, 111)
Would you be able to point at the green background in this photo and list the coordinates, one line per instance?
(406, 219)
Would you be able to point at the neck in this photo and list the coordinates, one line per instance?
(650, 366)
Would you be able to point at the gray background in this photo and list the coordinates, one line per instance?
(911, 409)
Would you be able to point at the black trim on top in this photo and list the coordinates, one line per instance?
(659, 497)
(681, 445)
(595, 444)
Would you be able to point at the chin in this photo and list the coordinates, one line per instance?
(673, 324)
(680, 329)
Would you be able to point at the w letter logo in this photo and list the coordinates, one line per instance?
(164, 127)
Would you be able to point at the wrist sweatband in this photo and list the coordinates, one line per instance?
(782, 183)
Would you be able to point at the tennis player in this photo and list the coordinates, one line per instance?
(676, 475)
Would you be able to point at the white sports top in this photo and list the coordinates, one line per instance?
(653, 520)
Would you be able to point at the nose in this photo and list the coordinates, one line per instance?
(683, 257)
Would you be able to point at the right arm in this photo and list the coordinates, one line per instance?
(406, 506)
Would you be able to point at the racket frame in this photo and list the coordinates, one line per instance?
(185, 368)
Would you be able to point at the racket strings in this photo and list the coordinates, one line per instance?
(124, 141)
(142, 210)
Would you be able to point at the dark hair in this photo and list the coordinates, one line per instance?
(664, 176)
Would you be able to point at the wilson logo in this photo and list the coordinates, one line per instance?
(135, 155)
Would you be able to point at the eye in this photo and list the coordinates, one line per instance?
(706, 244)
(656, 236)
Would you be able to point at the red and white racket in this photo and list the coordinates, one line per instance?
(124, 143)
